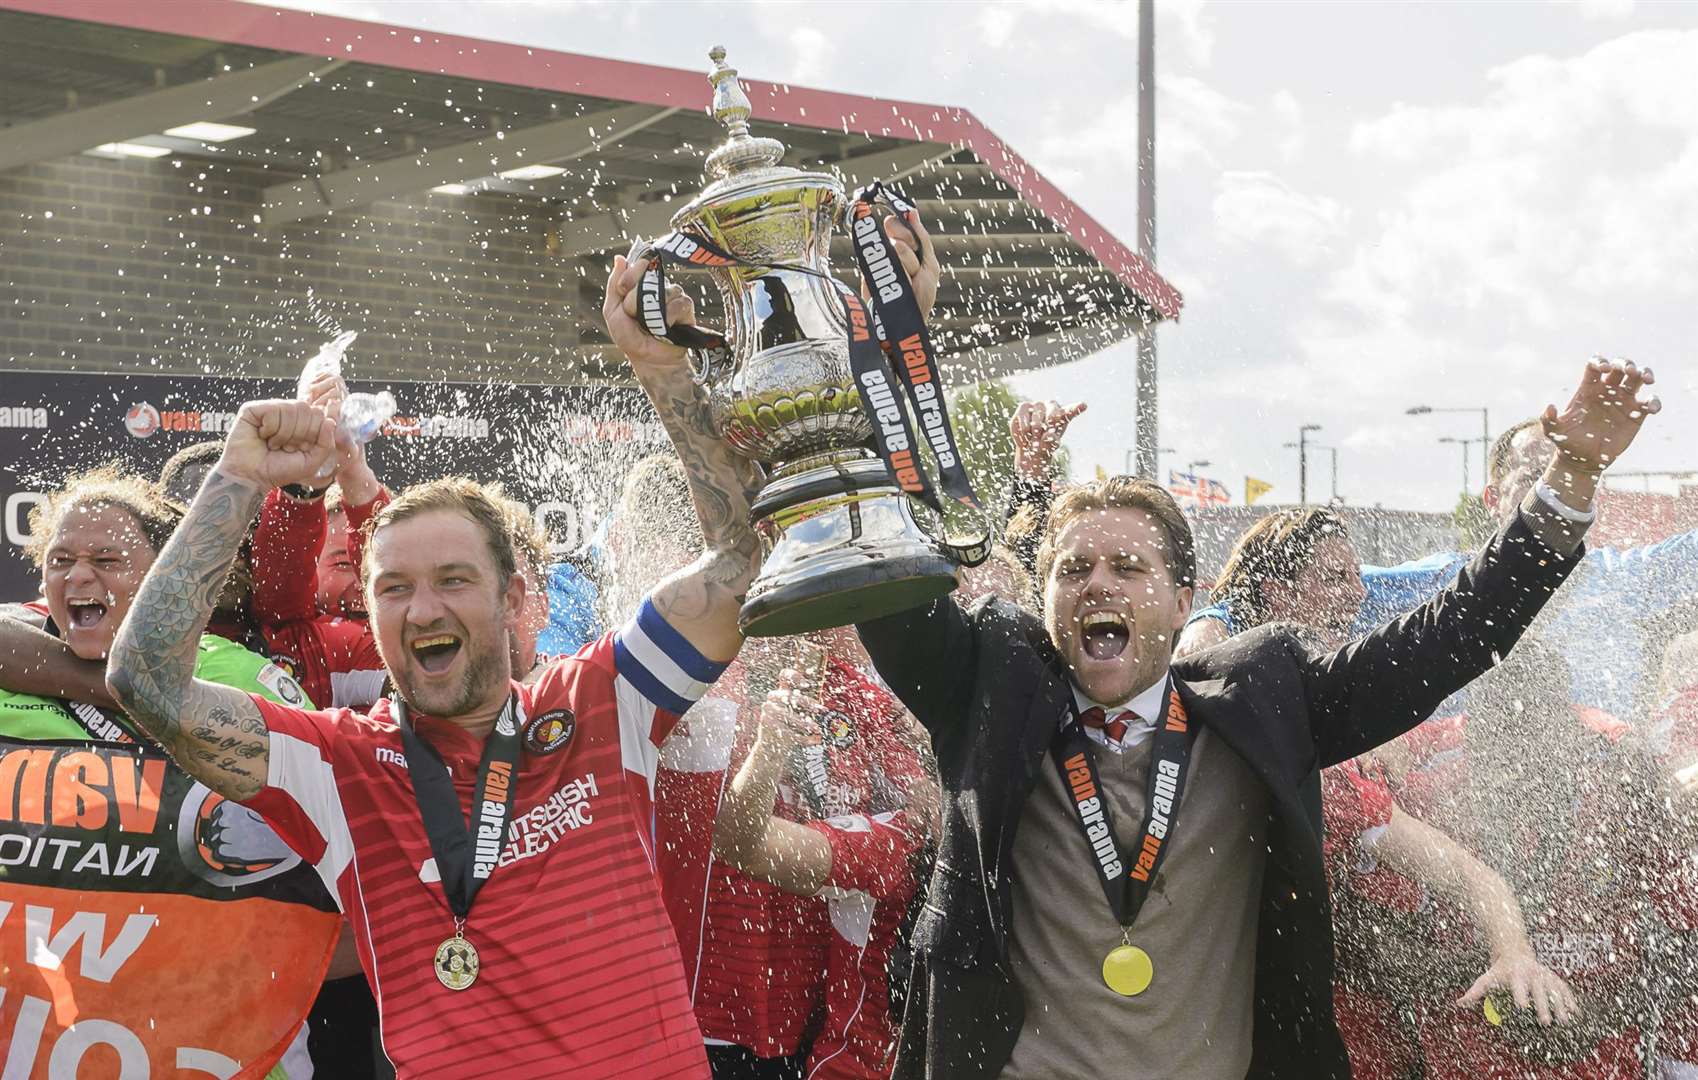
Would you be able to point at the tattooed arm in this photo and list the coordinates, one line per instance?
(700, 601)
(215, 733)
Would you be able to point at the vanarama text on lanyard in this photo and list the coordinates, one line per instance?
(465, 859)
(1126, 878)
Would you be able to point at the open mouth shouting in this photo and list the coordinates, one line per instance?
(86, 612)
(435, 653)
(1104, 635)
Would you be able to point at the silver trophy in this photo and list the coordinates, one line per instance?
(843, 542)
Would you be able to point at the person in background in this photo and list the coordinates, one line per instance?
(1299, 566)
(530, 545)
(859, 861)
(340, 592)
(1038, 955)
(1295, 565)
(790, 976)
(1593, 622)
(1574, 814)
(1037, 428)
(181, 475)
(215, 874)
(334, 656)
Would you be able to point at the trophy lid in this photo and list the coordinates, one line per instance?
(741, 152)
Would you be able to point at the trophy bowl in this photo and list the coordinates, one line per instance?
(843, 543)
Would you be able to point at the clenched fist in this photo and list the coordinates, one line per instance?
(619, 309)
(280, 442)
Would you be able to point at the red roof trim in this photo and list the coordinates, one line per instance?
(618, 80)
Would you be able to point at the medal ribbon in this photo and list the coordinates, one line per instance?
(1127, 877)
(465, 858)
(894, 307)
(901, 330)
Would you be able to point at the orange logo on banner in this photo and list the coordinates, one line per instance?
(123, 913)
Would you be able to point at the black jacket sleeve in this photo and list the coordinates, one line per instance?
(1373, 690)
(1033, 495)
(928, 657)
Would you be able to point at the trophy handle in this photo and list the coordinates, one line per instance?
(705, 369)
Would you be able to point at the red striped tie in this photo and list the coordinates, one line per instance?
(1115, 729)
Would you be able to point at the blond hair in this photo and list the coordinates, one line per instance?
(1124, 493)
(458, 495)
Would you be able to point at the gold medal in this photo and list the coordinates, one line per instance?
(456, 962)
(1490, 1008)
(1128, 970)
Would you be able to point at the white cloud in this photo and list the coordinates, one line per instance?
(1180, 24)
(810, 53)
(1288, 122)
(1572, 186)
(1602, 9)
(1257, 208)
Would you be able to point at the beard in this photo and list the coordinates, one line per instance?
(477, 683)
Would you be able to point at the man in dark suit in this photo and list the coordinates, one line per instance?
(1130, 878)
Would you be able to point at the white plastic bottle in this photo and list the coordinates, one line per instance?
(328, 360)
(363, 415)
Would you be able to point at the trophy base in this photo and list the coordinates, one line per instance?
(845, 549)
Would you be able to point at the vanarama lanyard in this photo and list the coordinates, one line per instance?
(465, 858)
(1127, 878)
(102, 725)
(895, 326)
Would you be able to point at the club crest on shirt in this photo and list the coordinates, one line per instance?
(278, 680)
(838, 728)
(550, 732)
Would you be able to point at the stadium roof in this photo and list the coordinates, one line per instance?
(349, 113)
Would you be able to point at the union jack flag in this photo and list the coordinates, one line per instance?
(1195, 491)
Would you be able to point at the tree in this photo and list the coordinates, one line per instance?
(980, 416)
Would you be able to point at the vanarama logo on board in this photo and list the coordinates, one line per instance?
(22, 416)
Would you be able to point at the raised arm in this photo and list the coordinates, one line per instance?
(215, 733)
(1036, 428)
(287, 540)
(928, 657)
(1373, 690)
(700, 601)
(746, 833)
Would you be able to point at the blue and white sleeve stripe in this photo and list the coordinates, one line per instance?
(663, 667)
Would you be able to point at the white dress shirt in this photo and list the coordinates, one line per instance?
(1147, 705)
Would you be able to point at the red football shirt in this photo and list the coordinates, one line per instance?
(334, 659)
(581, 973)
(763, 962)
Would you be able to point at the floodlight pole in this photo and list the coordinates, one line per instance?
(1149, 436)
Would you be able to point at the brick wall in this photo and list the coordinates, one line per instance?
(158, 265)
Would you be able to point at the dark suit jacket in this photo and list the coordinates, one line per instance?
(989, 687)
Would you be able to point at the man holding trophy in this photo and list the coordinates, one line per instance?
(534, 942)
